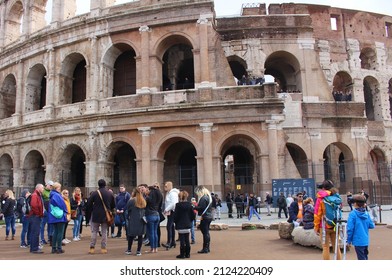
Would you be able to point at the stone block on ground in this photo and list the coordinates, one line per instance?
(285, 230)
(218, 226)
(306, 237)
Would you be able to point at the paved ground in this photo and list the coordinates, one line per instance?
(231, 244)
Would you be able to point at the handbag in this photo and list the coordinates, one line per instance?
(161, 217)
(118, 220)
(57, 212)
(74, 214)
(109, 215)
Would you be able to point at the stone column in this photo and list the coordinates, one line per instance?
(51, 85)
(2, 23)
(208, 182)
(92, 76)
(62, 10)
(204, 55)
(145, 132)
(17, 166)
(26, 24)
(17, 117)
(273, 142)
(143, 85)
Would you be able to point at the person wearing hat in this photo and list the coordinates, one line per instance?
(45, 197)
(358, 224)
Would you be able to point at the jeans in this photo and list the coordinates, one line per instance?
(170, 229)
(10, 225)
(252, 211)
(25, 231)
(50, 227)
(152, 228)
(193, 238)
(362, 252)
(205, 230)
(77, 225)
(35, 224)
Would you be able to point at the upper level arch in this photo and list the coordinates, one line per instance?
(8, 97)
(238, 66)
(371, 91)
(176, 53)
(368, 59)
(35, 88)
(285, 68)
(342, 86)
(73, 79)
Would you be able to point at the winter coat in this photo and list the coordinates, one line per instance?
(36, 204)
(56, 199)
(282, 203)
(293, 211)
(204, 202)
(184, 215)
(121, 200)
(308, 216)
(8, 206)
(171, 199)
(154, 202)
(75, 206)
(95, 207)
(319, 210)
(134, 219)
(358, 225)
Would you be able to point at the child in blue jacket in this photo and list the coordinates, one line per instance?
(358, 225)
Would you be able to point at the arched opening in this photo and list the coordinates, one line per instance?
(180, 165)
(372, 99)
(72, 171)
(36, 89)
(368, 59)
(339, 166)
(178, 63)
(380, 165)
(6, 173)
(342, 87)
(299, 158)
(13, 23)
(8, 97)
(240, 169)
(124, 78)
(33, 169)
(124, 164)
(285, 68)
(73, 79)
(238, 67)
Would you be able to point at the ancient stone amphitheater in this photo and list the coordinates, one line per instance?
(153, 90)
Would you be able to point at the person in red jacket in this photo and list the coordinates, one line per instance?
(35, 217)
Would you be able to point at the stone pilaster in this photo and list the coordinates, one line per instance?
(204, 55)
(143, 86)
(207, 128)
(145, 133)
(273, 125)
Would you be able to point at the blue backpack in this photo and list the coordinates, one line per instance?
(333, 213)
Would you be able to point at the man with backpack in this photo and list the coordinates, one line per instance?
(23, 210)
(327, 213)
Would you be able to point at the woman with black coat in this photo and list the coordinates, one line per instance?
(135, 220)
(183, 219)
(204, 210)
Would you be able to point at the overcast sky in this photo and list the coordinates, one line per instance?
(233, 7)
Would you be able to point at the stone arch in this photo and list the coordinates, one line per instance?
(240, 154)
(6, 171)
(285, 68)
(339, 165)
(300, 159)
(380, 164)
(368, 59)
(342, 86)
(73, 79)
(8, 97)
(35, 88)
(238, 66)
(13, 21)
(71, 166)
(122, 169)
(372, 96)
(176, 53)
(33, 169)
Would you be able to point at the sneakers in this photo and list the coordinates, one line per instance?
(91, 251)
(23, 246)
(138, 253)
(76, 239)
(128, 252)
(44, 242)
(113, 235)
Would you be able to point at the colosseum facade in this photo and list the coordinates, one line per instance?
(151, 90)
